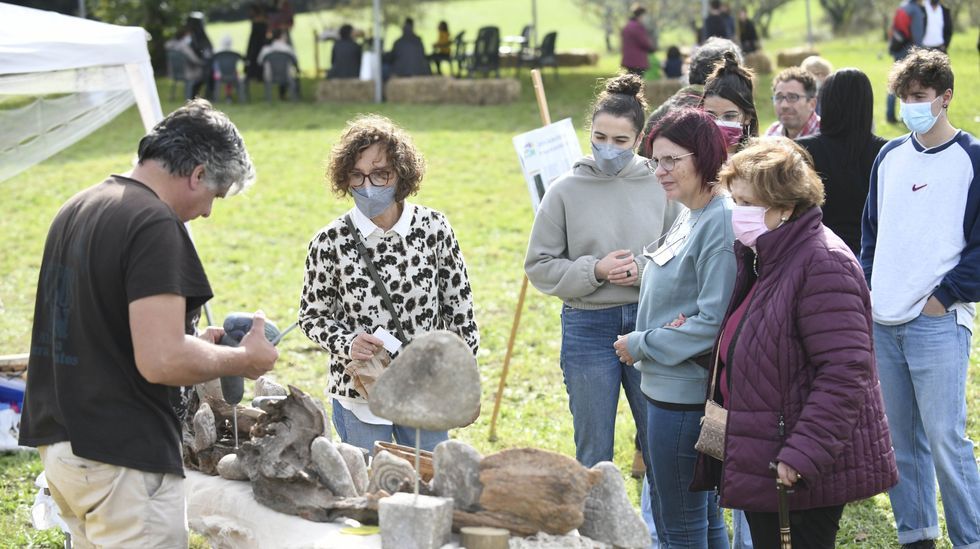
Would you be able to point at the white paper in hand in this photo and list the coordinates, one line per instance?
(391, 342)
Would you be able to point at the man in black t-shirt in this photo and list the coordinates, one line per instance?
(120, 288)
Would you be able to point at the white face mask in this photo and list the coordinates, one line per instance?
(918, 117)
(749, 223)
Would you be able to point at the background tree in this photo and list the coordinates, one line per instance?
(840, 12)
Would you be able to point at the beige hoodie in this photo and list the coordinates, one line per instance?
(585, 215)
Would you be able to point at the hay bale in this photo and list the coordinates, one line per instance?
(759, 62)
(658, 91)
(484, 91)
(345, 90)
(577, 58)
(423, 90)
(794, 56)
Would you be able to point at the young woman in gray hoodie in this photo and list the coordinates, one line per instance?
(586, 249)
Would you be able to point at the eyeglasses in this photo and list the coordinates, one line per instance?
(789, 98)
(378, 178)
(727, 116)
(667, 162)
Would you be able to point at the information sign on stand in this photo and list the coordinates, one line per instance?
(545, 154)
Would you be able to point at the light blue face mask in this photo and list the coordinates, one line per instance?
(611, 159)
(371, 200)
(918, 117)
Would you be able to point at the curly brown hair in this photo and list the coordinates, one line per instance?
(779, 172)
(930, 68)
(366, 130)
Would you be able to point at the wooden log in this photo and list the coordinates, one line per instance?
(483, 537)
(462, 519)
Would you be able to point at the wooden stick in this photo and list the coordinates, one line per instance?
(545, 119)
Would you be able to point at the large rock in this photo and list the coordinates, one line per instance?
(354, 457)
(331, 467)
(414, 522)
(532, 490)
(609, 516)
(457, 467)
(433, 384)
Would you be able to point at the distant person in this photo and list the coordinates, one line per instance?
(281, 45)
(728, 98)
(674, 64)
(281, 18)
(226, 46)
(920, 249)
(820, 68)
(345, 59)
(256, 40)
(442, 49)
(794, 98)
(939, 26)
(844, 152)
(637, 45)
(194, 65)
(201, 45)
(700, 67)
(407, 55)
(747, 35)
(120, 292)
(717, 22)
(907, 31)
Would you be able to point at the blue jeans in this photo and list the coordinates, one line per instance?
(890, 107)
(646, 509)
(923, 365)
(690, 519)
(363, 435)
(741, 536)
(593, 375)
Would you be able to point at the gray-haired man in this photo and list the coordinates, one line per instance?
(120, 288)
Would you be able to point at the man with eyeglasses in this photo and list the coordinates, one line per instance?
(794, 98)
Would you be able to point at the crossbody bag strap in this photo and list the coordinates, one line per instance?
(369, 263)
(714, 372)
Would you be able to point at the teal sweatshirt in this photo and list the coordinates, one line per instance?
(697, 281)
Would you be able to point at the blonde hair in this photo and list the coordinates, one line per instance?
(817, 66)
(780, 173)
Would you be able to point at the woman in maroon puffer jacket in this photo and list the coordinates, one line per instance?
(798, 374)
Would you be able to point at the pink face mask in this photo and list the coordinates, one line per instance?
(749, 223)
(731, 130)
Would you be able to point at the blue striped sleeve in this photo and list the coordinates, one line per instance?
(962, 283)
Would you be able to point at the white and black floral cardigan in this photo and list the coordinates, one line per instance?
(425, 276)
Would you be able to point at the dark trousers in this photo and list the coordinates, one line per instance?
(810, 529)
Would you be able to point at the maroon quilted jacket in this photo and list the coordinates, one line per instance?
(803, 380)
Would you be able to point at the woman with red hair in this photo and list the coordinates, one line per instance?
(684, 293)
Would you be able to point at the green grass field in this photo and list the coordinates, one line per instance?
(254, 246)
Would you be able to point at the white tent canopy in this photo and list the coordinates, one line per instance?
(76, 74)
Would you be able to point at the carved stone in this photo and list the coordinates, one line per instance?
(390, 473)
(205, 433)
(433, 384)
(409, 522)
(331, 467)
(354, 458)
(230, 467)
(457, 475)
(266, 386)
(609, 516)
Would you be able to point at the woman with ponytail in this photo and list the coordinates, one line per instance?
(728, 99)
(586, 249)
